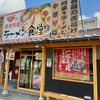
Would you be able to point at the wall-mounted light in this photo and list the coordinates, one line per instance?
(1, 48)
(42, 46)
(37, 46)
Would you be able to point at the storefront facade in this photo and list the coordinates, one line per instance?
(73, 84)
(60, 64)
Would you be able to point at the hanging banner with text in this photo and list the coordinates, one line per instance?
(73, 60)
(1, 26)
(64, 18)
(74, 18)
(30, 24)
(55, 19)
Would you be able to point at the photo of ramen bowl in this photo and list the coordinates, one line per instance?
(34, 17)
(78, 65)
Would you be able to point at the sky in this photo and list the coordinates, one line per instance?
(90, 8)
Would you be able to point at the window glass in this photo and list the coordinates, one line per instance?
(73, 64)
(37, 52)
(25, 52)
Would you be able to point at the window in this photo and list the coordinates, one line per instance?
(73, 64)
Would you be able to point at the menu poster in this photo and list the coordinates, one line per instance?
(49, 61)
(36, 82)
(73, 60)
(17, 62)
(11, 54)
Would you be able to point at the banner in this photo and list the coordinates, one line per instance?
(30, 24)
(73, 60)
(64, 18)
(1, 26)
(55, 19)
(11, 54)
(74, 18)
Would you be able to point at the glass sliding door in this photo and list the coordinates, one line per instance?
(30, 69)
(25, 71)
(36, 72)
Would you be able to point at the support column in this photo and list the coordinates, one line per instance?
(3, 67)
(42, 73)
(95, 73)
(6, 77)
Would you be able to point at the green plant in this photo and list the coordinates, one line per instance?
(27, 74)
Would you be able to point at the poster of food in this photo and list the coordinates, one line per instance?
(36, 82)
(11, 54)
(29, 24)
(17, 63)
(73, 60)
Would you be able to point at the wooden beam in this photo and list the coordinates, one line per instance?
(95, 73)
(59, 44)
(48, 98)
(42, 72)
(19, 70)
(7, 72)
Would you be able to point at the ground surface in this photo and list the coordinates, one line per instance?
(15, 94)
(12, 95)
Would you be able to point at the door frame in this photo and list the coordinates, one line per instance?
(32, 55)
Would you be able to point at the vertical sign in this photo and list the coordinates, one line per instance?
(1, 27)
(55, 19)
(64, 18)
(74, 17)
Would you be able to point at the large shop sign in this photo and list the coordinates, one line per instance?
(29, 24)
(73, 60)
(34, 23)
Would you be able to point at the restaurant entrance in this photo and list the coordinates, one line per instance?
(30, 70)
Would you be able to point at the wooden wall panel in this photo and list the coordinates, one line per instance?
(55, 19)
(64, 18)
(74, 18)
